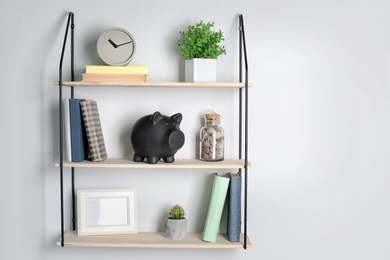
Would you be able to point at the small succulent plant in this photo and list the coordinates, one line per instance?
(176, 212)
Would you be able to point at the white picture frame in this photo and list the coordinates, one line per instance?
(106, 211)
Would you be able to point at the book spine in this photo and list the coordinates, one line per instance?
(76, 129)
(216, 204)
(234, 208)
(68, 142)
(114, 77)
(93, 129)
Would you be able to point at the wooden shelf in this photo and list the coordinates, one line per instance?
(154, 84)
(178, 164)
(149, 240)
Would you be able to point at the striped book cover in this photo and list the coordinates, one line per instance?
(93, 128)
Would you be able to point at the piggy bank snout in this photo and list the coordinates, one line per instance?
(176, 139)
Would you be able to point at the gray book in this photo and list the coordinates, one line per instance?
(234, 208)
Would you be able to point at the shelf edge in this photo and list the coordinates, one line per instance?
(123, 163)
(154, 84)
(149, 240)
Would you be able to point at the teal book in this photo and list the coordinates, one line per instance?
(234, 208)
(68, 139)
(77, 130)
(215, 209)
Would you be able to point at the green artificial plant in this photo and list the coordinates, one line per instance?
(200, 41)
(176, 212)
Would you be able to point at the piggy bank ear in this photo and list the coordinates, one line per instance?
(155, 117)
(177, 117)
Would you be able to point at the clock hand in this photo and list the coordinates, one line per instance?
(122, 44)
(112, 43)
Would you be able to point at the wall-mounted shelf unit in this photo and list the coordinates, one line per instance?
(155, 239)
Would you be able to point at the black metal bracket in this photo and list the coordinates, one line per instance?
(70, 24)
(243, 56)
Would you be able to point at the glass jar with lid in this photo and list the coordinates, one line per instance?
(212, 138)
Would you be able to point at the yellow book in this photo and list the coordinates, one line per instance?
(114, 77)
(102, 69)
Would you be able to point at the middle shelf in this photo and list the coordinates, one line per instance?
(178, 164)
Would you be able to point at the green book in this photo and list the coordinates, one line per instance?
(216, 204)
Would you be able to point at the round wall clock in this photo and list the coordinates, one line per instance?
(116, 46)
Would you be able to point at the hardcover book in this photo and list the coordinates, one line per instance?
(68, 139)
(114, 77)
(93, 129)
(234, 208)
(215, 208)
(101, 69)
(77, 130)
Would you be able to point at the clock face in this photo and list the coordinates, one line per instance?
(116, 46)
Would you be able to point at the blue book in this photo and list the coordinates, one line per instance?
(234, 208)
(68, 145)
(77, 131)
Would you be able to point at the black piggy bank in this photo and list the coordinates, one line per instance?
(157, 136)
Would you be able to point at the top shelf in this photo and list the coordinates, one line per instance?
(154, 84)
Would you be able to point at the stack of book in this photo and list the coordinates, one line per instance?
(225, 189)
(83, 131)
(99, 73)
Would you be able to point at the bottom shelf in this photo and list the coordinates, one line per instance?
(149, 240)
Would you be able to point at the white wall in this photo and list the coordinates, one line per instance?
(319, 123)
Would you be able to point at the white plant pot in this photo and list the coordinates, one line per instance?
(201, 70)
(175, 228)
